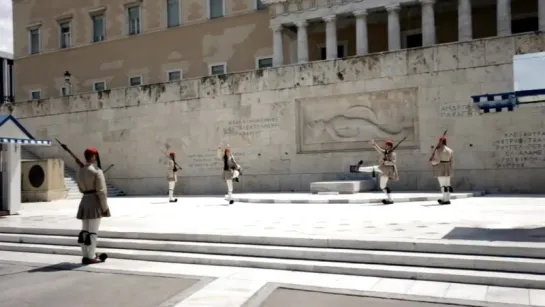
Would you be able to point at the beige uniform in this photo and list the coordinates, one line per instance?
(443, 162)
(92, 207)
(172, 178)
(231, 170)
(388, 166)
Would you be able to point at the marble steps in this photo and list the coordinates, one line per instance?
(473, 269)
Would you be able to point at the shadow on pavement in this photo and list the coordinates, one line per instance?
(506, 234)
(63, 266)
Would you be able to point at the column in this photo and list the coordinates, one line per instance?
(394, 35)
(302, 42)
(465, 21)
(362, 39)
(428, 23)
(504, 17)
(278, 48)
(541, 14)
(331, 36)
(11, 178)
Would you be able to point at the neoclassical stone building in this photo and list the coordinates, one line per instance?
(122, 43)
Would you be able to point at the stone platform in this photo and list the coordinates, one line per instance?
(343, 186)
(357, 198)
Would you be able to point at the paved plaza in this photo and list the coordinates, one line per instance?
(494, 218)
(516, 219)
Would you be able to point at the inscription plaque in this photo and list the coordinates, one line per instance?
(521, 149)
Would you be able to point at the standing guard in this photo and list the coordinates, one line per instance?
(172, 177)
(231, 170)
(387, 168)
(442, 161)
(92, 207)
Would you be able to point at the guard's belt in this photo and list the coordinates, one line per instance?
(89, 192)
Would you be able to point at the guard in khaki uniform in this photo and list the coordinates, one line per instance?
(92, 207)
(231, 170)
(387, 168)
(443, 163)
(172, 177)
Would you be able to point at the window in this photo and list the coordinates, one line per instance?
(135, 81)
(99, 29)
(263, 62)
(411, 38)
(259, 5)
(524, 23)
(341, 51)
(173, 13)
(174, 75)
(34, 41)
(36, 94)
(99, 86)
(216, 8)
(133, 15)
(65, 35)
(64, 91)
(217, 69)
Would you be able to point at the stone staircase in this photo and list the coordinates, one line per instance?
(69, 179)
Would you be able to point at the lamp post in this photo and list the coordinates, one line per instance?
(67, 83)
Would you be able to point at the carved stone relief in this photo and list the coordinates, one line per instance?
(348, 122)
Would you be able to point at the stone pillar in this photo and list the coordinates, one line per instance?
(503, 17)
(465, 21)
(331, 37)
(541, 14)
(428, 22)
(302, 42)
(11, 178)
(362, 40)
(278, 47)
(394, 35)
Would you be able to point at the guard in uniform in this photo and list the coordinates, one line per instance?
(92, 207)
(442, 162)
(172, 177)
(387, 168)
(231, 170)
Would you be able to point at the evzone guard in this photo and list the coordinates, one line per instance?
(231, 170)
(442, 162)
(172, 176)
(93, 205)
(387, 168)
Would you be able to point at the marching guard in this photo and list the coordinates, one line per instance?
(387, 168)
(92, 207)
(442, 162)
(172, 176)
(231, 170)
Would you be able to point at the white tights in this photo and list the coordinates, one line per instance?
(444, 183)
(171, 185)
(229, 183)
(384, 185)
(91, 229)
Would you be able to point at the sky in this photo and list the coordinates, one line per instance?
(6, 26)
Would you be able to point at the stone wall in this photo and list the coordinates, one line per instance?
(297, 124)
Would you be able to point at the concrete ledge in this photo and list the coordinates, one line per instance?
(334, 199)
(342, 186)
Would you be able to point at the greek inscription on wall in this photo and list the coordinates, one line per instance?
(208, 160)
(521, 149)
(456, 110)
(251, 127)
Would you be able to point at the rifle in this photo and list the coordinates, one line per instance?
(438, 143)
(78, 161)
(176, 165)
(386, 151)
(108, 168)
